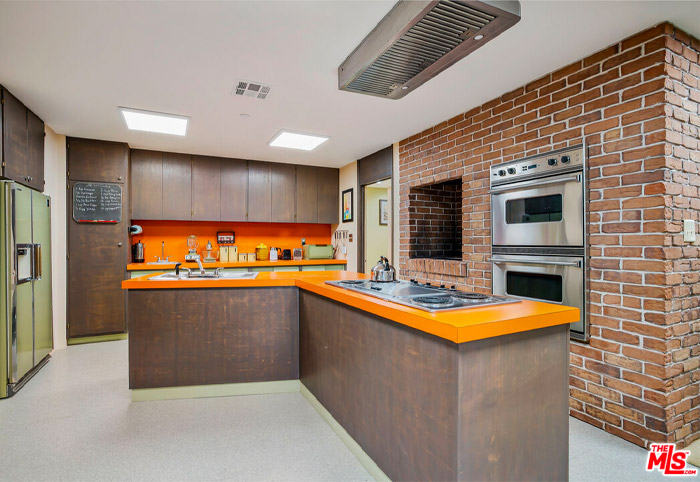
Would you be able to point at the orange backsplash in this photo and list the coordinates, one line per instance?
(248, 236)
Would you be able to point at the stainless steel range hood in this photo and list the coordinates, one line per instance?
(419, 39)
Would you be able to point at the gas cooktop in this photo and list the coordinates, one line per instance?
(422, 296)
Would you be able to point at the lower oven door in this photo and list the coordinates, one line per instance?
(552, 279)
(539, 212)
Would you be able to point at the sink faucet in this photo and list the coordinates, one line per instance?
(162, 258)
(201, 267)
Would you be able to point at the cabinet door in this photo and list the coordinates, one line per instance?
(307, 194)
(259, 192)
(35, 151)
(96, 268)
(328, 195)
(283, 202)
(146, 184)
(234, 190)
(177, 187)
(93, 161)
(206, 188)
(15, 158)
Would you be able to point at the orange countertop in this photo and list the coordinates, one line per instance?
(458, 326)
(252, 264)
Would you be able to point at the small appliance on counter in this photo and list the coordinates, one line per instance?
(209, 255)
(297, 255)
(262, 253)
(275, 254)
(287, 254)
(192, 244)
(317, 251)
(137, 252)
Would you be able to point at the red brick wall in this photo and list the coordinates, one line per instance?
(635, 104)
(435, 221)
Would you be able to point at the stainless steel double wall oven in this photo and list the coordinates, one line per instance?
(538, 230)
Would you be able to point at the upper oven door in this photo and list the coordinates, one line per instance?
(539, 212)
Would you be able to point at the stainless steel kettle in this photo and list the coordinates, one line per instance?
(383, 272)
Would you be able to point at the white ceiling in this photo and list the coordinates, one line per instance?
(75, 63)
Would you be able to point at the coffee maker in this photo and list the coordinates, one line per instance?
(137, 252)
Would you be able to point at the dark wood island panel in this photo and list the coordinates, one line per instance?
(209, 336)
(424, 408)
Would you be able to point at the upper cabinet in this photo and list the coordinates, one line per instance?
(146, 184)
(283, 184)
(259, 192)
(307, 194)
(234, 190)
(206, 188)
(97, 161)
(180, 187)
(328, 185)
(177, 187)
(22, 145)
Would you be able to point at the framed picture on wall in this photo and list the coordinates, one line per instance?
(383, 212)
(347, 205)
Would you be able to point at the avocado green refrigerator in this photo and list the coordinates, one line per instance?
(26, 337)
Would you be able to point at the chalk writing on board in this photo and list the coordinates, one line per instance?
(97, 203)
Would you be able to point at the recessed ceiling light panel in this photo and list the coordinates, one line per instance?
(143, 120)
(296, 140)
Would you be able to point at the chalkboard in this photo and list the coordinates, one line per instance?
(97, 202)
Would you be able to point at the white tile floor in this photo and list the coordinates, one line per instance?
(74, 421)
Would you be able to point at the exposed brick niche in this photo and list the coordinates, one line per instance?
(635, 104)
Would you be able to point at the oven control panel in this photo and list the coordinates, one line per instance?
(570, 158)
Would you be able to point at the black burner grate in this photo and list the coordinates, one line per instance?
(353, 282)
(471, 296)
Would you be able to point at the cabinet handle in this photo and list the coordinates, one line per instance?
(120, 244)
(119, 178)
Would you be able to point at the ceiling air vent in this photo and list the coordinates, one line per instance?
(248, 88)
(419, 39)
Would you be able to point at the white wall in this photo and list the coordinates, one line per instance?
(348, 179)
(55, 177)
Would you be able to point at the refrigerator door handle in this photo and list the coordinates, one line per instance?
(36, 261)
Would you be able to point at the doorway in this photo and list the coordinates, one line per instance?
(377, 222)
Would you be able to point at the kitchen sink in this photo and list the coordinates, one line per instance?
(209, 275)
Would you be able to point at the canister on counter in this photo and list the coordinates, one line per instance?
(233, 254)
(251, 257)
(243, 257)
(223, 254)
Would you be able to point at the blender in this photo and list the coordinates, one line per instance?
(192, 244)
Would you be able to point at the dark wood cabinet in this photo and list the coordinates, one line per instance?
(97, 252)
(282, 180)
(177, 187)
(206, 188)
(15, 154)
(259, 192)
(307, 194)
(35, 151)
(21, 142)
(180, 187)
(97, 161)
(328, 195)
(146, 184)
(234, 190)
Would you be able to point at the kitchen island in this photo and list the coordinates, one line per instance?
(474, 394)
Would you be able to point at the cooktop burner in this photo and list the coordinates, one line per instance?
(471, 296)
(422, 296)
(433, 300)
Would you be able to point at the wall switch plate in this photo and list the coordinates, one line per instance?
(688, 230)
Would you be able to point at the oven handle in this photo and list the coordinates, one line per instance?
(577, 264)
(534, 183)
